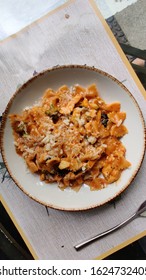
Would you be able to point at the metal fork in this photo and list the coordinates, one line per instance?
(138, 213)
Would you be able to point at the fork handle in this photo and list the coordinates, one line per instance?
(91, 239)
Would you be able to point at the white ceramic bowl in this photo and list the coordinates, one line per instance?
(110, 90)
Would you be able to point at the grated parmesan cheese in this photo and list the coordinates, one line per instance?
(91, 139)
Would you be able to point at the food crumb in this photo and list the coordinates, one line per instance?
(67, 16)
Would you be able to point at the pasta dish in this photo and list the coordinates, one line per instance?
(72, 136)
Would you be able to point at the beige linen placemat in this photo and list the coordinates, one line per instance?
(72, 34)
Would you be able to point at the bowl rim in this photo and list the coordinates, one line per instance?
(33, 78)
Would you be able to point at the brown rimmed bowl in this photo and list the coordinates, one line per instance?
(110, 90)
